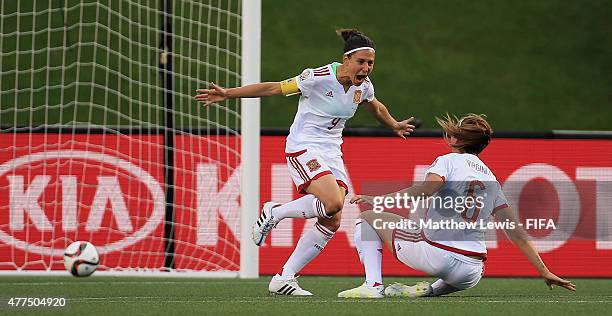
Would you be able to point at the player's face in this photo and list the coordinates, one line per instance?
(360, 65)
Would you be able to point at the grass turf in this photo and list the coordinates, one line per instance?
(99, 295)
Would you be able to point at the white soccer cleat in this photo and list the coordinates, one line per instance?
(286, 286)
(364, 291)
(264, 224)
(401, 290)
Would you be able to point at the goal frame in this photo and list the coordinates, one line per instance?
(249, 166)
(250, 136)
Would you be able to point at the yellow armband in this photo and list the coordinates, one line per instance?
(289, 87)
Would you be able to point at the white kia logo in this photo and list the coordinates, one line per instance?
(137, 172)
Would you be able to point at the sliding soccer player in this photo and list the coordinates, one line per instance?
(453, 250)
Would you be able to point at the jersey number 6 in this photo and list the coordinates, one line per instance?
(470, 195)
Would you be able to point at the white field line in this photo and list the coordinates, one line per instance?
(164, 299)
(203, 282)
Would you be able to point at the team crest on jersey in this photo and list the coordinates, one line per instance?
(357, 97)
(330, 94)
(313, 165)
(305, 75)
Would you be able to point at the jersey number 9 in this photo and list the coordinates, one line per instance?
(334, 122)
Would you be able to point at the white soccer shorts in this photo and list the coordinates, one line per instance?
(459, 271)
(308, 165)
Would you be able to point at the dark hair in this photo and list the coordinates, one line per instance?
(473, 132)
(353, 38)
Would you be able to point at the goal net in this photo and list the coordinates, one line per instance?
(102, 141)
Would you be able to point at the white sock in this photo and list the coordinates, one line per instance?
(369, 247)
(308, 206)
(308, 247)
(441, 288)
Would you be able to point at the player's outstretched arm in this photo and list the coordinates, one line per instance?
(429, 187)
(218, 94)
(519, 238)
(432, 184)
(380, 112)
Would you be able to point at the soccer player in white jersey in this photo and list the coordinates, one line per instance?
(454, 254)
(329, 96)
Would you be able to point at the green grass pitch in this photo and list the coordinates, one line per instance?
(101, 295)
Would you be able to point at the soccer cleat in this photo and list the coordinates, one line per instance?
(364, 291)
(401, 290)
(264, 224)
(286, 286)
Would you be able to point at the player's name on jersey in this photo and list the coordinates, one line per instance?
(452, 224)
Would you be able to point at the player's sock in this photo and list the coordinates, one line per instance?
(298, 208)
(369, 247)
(442, 288)
(308, 206)
(308, 247)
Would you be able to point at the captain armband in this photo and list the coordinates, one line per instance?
(289, 87)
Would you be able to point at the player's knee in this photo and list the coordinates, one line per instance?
(333, 207)
(333, 224)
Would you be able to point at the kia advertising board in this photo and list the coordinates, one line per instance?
(109, 189)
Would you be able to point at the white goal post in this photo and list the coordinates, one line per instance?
(250, 124)
(101, 139)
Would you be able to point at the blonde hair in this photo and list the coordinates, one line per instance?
(473, 132)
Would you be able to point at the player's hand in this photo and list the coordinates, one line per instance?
(209, 96)
(362, 199)
(404, 128)
(552, 279)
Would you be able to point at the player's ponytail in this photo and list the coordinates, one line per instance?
(354, 40)
(473, 132)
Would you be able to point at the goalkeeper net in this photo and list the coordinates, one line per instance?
(102, 140)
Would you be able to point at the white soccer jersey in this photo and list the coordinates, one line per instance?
(324, 107)
(464, 175)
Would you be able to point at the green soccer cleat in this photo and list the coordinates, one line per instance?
(364, 291)
(401, 290)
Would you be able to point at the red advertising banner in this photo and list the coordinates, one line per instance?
(572, 178)
(58, 188)
(109, 189)
(207, 202)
